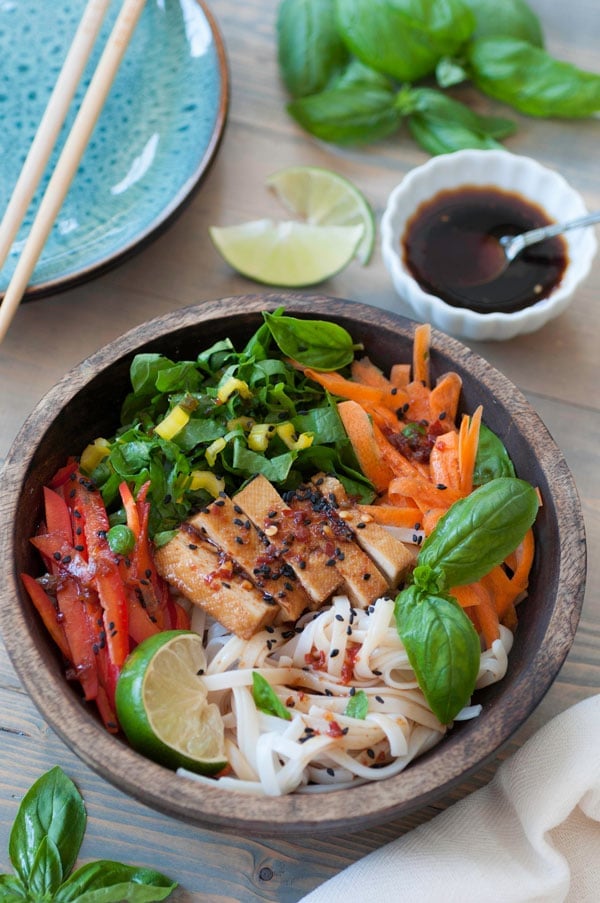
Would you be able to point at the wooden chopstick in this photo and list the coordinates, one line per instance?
(71, 154)
(51, 122)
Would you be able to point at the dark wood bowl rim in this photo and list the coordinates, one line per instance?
(427, 778)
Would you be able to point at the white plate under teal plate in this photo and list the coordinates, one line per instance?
(158, 132)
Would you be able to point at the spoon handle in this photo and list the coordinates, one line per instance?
(513, 245)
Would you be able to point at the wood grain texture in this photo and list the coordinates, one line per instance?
(556, 368)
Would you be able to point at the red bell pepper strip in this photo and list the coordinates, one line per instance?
(48, 612)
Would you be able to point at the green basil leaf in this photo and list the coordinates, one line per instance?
(105, 881)
(46, 871)
(492, 458)
(449, 72)
(531, 80)
(358, 706)
(52, 808)
(404, 38)
(510, 18)
(357, 74)
(266, 699)
(354, 114)
(441, 124)
(12, 889)
(313, 343)
(443, 649)
(479, 531)
(310, 49)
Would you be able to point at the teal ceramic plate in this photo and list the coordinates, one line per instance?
(157, 134)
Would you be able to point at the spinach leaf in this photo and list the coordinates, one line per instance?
(313, 343)
(531, 80)
(478, 532)
(266, 699)
(404, 38)
(351, 114)
(442, 646)
(51, 810)
(310, 49)
(511, 18)
(358, 706)
(492, 458)
(105, 881)
(441, 124)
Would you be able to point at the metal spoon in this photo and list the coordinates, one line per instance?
(514, 244)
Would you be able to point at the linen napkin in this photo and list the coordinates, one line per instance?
(532, 834)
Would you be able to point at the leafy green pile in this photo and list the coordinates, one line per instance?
(235, 402)
(351, 68)
(43, 847)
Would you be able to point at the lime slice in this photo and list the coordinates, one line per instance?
(287, 254)
(324, 198)
(162, 706)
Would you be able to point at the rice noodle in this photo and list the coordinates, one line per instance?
(332, 655)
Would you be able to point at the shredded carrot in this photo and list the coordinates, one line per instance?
(359, 427)
(364, 371)
(443, 461)
(400, 375)
(425, 494)
(393, 516)
(400, 465)
(421, 344)
(468, 442)
(444, 398)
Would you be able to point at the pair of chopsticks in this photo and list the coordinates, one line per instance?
(74, 147)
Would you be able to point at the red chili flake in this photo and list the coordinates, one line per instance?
(316, 659)
(352, 650)
(334, 730)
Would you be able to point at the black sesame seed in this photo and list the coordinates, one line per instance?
(330, 772)
(366, 576)
(339, 617)
(219, 503)
(192, 546)
(371, 753)
(352, 691)
(379, 699)
(237, 509)
(441, 486)
(442, 415)
(334, 652)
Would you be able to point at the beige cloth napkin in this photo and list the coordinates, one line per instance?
(532, 834)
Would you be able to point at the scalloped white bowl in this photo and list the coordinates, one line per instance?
(510, 172)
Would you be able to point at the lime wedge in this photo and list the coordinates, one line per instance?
(288, 254)
(324, 198)
(162, 705)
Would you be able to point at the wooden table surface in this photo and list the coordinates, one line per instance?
(557, 368)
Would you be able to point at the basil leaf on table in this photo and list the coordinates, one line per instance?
(510, 18)
(310, 49)
(313, 343)
(105, 881)
(52, 808)
(266, 699)
(443, 649)
(44, 844)
(404, 38)
(492, 458)
(441, 124)
(531, 80)
(354, 114)
(478, 532)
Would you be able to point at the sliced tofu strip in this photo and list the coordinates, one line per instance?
(292, 537)
(389, 554)
(208, 579)
(225, 523)
(363, 582)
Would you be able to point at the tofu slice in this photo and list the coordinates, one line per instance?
(389, 554)
(224, 522)
(208, 579)
(293, 539)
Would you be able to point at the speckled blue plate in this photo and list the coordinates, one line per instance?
(157, 134)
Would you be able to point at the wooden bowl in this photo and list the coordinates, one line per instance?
(85, 404)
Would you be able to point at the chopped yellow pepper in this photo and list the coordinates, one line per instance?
(246, 423)
(205, 479)
(259, 435)
(232, 385)
(173, 423)
(294, 442)
(95, 452)
(213, 450)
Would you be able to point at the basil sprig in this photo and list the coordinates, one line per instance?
(313, 343)
(43, 847)
(266, 699)
(353, 69)
(476, 534)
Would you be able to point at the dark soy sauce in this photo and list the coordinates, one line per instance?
(449, 248)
